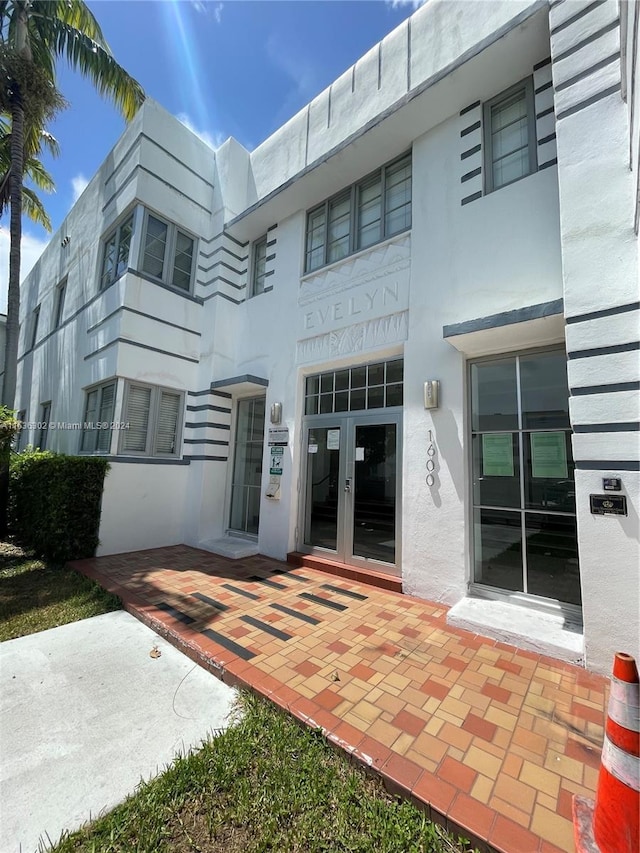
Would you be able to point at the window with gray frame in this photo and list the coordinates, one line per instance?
(247, 466)
(43, 431)
(152, 419)
(509, 124)
(61, 290)
(368, 386)
(258, 266)
(167, 253)
(35, 319)
(98, 416)
(524, 509)
(374, 209)
(115, 259)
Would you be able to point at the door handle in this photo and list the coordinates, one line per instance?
(347, 484)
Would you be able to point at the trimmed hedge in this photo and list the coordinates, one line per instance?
(55, 503)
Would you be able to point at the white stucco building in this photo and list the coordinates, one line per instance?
(459, 208)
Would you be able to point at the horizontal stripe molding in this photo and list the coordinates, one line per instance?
(613, 388)
(628, 426)
(586, 41)
(208, 407)
(470, 152)
(470, 107)
(470, 198)
(205, 425)
(605, 312)
(467, 130)
(608, 465)
(596, 351)
(215, 441)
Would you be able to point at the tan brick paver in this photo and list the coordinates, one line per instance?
(496, 740)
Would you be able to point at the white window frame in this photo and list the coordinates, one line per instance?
(95, 451)
(61, 292)
(258, 278)
(116, 232)
(353, 193)
(525, 85)
(154, 407)
(168, 260)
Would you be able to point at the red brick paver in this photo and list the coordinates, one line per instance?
(492, 740)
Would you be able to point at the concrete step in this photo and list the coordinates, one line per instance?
(341, 570)
(231, 546)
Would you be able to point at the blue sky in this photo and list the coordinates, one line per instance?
(234, 68)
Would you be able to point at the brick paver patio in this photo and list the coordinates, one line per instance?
(493, 741)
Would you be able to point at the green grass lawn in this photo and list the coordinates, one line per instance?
(35, 596)
(265, 784)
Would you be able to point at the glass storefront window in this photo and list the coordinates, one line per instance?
(494, 395)
(498, 549)
(523, 476)
(545, 398)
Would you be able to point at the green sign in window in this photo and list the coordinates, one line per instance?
(549, 455)
(497, 455)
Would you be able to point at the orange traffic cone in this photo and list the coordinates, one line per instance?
(612, 825)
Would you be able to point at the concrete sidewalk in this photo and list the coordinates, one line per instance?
(85, 713)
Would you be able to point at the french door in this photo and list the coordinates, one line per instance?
(351, 489)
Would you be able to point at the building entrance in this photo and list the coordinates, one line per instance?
(352, 489)
(351, 471)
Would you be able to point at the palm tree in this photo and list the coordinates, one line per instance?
(33, 169)
(34, 34)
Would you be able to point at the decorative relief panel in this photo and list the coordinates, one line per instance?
(356, 338)
(379, 262)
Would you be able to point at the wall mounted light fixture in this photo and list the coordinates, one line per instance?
(276, 413)
(432, 394)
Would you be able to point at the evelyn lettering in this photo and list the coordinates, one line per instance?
(368, 301)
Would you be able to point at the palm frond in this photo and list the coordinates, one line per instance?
(95, 62)
(36, 172)
(34, 209)
(75, 14)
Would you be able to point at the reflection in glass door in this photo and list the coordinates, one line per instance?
(525, 537)
(323, 494)
(352, 484)
(374, 492)
(247, 466)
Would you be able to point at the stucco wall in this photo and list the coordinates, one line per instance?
(142, 507)
(598, 194)
(498, 253)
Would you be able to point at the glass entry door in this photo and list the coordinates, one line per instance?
(352, 489)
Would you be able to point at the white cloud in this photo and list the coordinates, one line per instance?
(213, 140)
(32, 248)
(398, 4)
(79, 184)
(206, 8)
